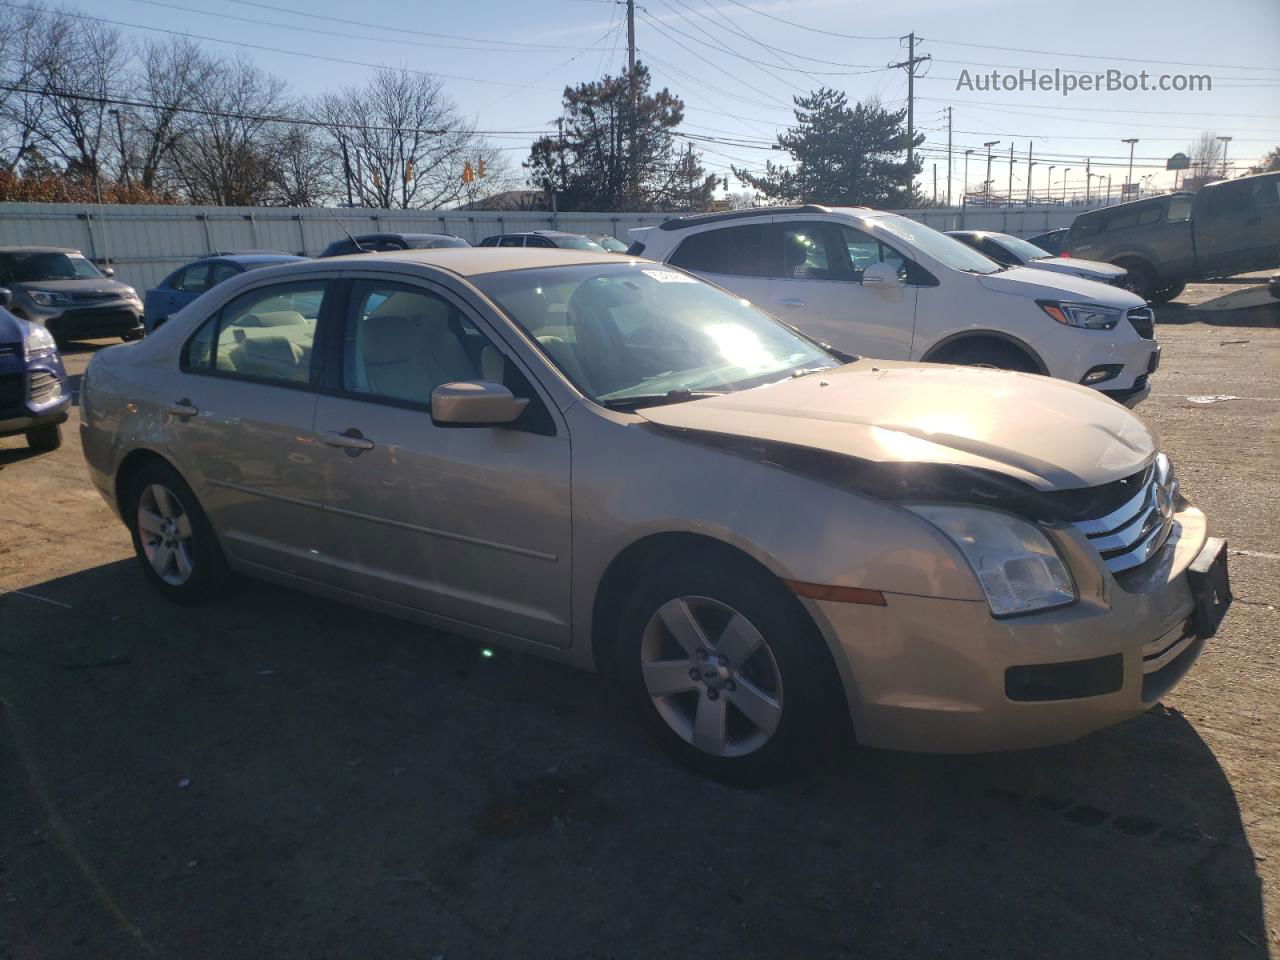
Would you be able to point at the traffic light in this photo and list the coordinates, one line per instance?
(468, 175)
(481, 165)
(408, 171)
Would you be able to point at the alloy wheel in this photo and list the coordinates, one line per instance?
(164, 528)
(711, 676)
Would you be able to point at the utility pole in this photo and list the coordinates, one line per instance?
(1128, 180)
(1008, 200)
(1065, 171)
(910, 65)
(1108, 189)
(948, 156)
(1225, 168)
(1088, 180)
(989, 144)
(935, 184)
(124, 153)
(1030, 166)
(631, 35)
(964, 189)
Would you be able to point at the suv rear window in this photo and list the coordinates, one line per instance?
(745, 251)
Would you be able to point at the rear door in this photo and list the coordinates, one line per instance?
(240, 417)
(466, 523)
(822, 291)
(1228, 229)
(743, 259)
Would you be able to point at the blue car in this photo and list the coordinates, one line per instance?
(186, 283)
(33, 384)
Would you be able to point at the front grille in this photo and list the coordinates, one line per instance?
(12, 393)
(96, 296)
(44, 386)
(1134, 532)
(1144, 321)
(75, 320)
(9, 349)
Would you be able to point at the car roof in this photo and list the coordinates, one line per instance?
(247, 258)
(406, 236)
(703, 219)
(476, 261)
(38, 249)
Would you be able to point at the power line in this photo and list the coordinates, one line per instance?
(1097, 56)
(720, 46)
(347, 36)
(255, 46)
(801, 26)
(1170, 113)
(397, 28)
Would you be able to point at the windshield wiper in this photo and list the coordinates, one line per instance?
(657, 399)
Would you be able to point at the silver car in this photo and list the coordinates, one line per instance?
(613, 464)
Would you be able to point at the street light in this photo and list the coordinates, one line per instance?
(1225, 141)
(1048, 187)
(965, 192)
(124, 156)
(989, 144)
(1128, 180)
(1064, 185)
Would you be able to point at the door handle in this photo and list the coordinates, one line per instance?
(183, 409)
(791, 302)
(352, 441)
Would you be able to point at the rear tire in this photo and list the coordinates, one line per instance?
(1141, 279)
(172, 536)
(45, 439)
(1169, 292)
(986, 353)
(765, 700)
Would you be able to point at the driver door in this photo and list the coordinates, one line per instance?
(469, 523)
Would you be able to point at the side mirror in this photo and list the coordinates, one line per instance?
(108, 272)
(883, 274)
(6, 298)
(475, 403)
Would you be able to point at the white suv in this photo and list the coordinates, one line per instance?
(880, 285)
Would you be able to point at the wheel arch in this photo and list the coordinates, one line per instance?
(998, 336)
(131, 466)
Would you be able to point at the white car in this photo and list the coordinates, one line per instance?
(1011, 251)
(879, 285)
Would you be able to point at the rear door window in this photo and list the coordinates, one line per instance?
(1229, 200)
(267, 334)
(746, 251)
(193, 279)
(511, 241)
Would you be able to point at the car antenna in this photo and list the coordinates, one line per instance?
(346, 231)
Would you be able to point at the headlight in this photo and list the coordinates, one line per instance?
(39, 341)
(1018, 567)
(47, 298)
(1089, 316)
(131, 294)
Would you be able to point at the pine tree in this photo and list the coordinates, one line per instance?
(844, 156)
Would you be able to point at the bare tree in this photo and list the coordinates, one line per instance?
(1206, 155)
(168, 77)
(227, 156)
(398, 141)
(302, 172)
(76, 75)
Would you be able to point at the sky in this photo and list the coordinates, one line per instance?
(737, 64)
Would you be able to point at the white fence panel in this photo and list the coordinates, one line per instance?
(145, 243)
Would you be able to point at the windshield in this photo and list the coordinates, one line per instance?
(1022, 249)
(640, 330)
(26, 267)
(948, 251)
(578, 243)
(612, 244)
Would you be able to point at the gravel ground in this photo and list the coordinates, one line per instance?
(278, 776)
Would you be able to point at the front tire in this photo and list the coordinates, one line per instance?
(727, 671)
(986, 353)
(1141, 278)
(45, 439)
(172, 536)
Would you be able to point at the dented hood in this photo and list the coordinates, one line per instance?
(1046, 433)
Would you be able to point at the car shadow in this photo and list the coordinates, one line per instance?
(1218, 313)
(280, 768)
(10, 455)
(67, 347)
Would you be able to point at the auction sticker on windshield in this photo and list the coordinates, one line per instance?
(668, 276)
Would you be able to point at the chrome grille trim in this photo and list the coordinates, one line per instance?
(1135, 531)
